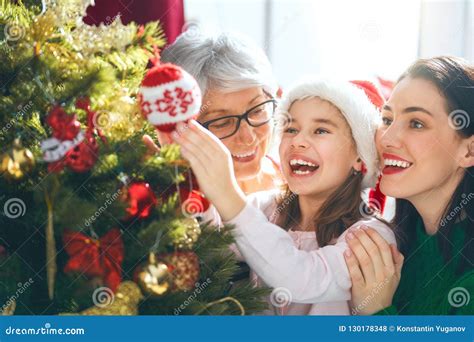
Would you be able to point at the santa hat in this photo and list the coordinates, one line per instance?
(168, 95)
(376, 197)
(358, 110)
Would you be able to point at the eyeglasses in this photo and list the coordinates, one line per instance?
(227, 126)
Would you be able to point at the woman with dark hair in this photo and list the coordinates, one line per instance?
(426, 148)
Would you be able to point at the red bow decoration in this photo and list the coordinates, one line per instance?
(102, 258)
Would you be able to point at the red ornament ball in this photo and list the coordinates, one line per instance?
(193, 202)
(84, 156)
(141, 200)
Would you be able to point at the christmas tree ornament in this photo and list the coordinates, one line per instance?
(185, 270)
(193, 202)
(169, 95)
(95, 257)
(63, 125)
(70, 146)
(83, 157)
(9, 308)
(17, 162)
(123, 303)
(140, 198)
(154, 277)
(184, 233)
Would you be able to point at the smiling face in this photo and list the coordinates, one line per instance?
(419, 151)
(249, 145)
(317, 150)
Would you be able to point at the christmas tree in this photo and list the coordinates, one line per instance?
(90, 221)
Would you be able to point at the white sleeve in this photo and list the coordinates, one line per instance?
(310, 277)
(263, 201)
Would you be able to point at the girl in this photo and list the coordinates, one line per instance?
(327, 156)
(426, 145)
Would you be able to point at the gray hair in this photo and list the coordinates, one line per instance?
(227, 62)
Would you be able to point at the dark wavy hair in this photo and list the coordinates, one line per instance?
(454, 78)
(340, 211)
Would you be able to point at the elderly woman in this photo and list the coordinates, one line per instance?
(238, 90)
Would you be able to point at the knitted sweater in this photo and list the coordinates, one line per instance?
(429, 285)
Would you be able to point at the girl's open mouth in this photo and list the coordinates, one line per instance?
(394, 164)
(301, 167)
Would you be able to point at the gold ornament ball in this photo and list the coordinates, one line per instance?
(154, 277)
(185, 232)
(17, 162)
(123, 303)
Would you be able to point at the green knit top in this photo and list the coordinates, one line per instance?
(429, 285)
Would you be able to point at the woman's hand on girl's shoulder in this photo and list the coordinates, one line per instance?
(375, 270)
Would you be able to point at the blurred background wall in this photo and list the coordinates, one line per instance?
(342, 38)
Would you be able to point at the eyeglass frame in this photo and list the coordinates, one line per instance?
(243, 116)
